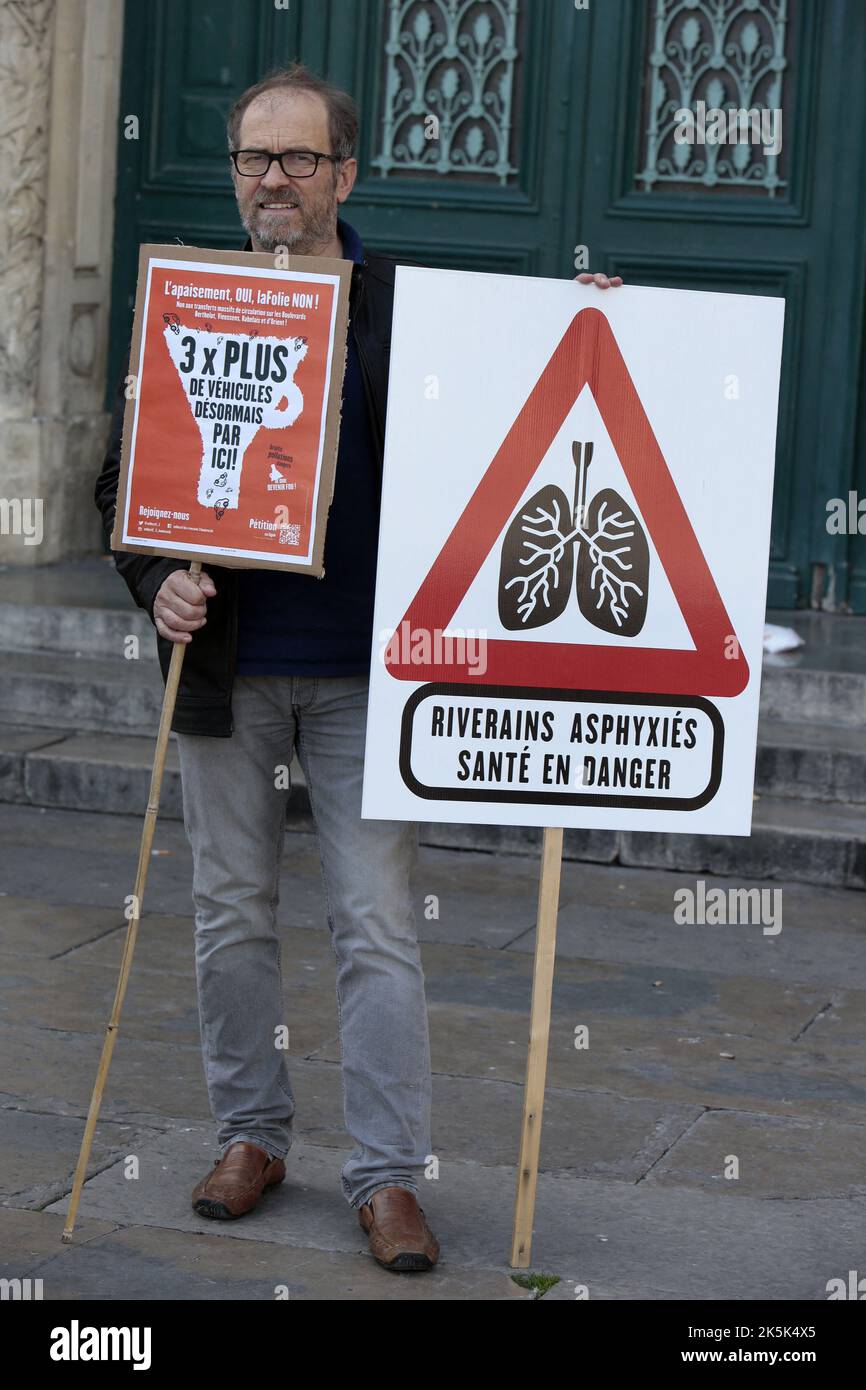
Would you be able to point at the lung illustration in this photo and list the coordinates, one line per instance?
(601, 544)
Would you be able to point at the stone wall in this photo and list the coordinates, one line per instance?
(59, 85)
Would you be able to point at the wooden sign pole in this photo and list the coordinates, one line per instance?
(536, 1062)
(147, 832)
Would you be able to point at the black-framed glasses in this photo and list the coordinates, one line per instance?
(295, 164)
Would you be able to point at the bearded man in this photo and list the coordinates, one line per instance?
(278, 664)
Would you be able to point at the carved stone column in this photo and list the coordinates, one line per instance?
(59, 88)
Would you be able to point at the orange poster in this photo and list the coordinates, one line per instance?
(231, 432)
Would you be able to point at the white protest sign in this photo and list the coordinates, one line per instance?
(573, 554)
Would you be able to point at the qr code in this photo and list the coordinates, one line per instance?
(291, 535)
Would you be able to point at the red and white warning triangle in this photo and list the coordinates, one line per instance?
(587, 355)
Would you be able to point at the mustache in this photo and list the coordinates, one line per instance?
(273, 198)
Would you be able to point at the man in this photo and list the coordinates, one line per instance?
(280, 662)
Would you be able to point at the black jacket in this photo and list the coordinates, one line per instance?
(205, 691)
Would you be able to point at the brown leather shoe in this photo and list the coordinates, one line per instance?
(237, 1181)
(400, 1238)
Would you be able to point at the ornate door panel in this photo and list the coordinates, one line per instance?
(466, 108)
(730, 217)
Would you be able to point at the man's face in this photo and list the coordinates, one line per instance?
(300, 214)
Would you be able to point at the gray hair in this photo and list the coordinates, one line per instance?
(342, 111)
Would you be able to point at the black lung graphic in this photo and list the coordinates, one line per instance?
(602, 543)
(612, 581)
(535, 568)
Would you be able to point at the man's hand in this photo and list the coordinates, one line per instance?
(180, 606)
(604, 282)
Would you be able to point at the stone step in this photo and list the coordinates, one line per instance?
(804, 693)
(809, 841)
(102, 633)
(82, 694)
(81, 609)
(824, 681)
(107, 772)
(68, 692)
(826, 698)
(811, 762)
(804, 841)
(75, 689)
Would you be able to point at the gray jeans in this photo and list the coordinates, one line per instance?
(235, 819)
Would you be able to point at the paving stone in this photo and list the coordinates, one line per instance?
(307, 1209)
(34, 838)
(632, 1057)
(150, 1262)
(82, 831)
(593, 1134)
(627, 915)
(29, 1238)
(164, 945)
(687, 1242)
(478, 1120)
(630, 1201)
(39, 1152)
(488, 981)
(150, 1085)
(586, 1134)
(32, 927)
(840, 1023)
(44, 853)
(29, 836)
(480, 899)
(61, 995)
(620, 1242)
(778, 1158)
(48, 1069)
(566, 1291)
(494, 981)
(76, 995)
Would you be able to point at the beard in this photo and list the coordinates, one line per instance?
(312, 224)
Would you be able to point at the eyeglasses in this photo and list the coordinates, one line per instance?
(295, 164)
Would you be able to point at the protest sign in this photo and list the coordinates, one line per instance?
(231, 430)
(572, 574)
(573, 554)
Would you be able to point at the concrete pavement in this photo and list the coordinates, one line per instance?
(705, 1044)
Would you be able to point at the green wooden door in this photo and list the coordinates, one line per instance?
(488, 194)
(552, 130)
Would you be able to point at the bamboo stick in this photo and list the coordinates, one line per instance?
(147, 833)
